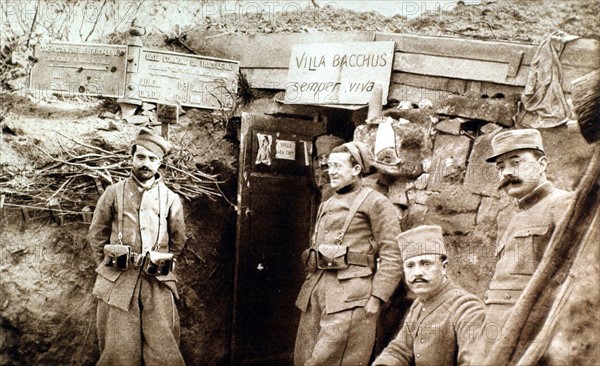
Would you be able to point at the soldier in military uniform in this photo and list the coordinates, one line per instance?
(344, 289)
(444, 323)
(135, 221)
(521, 163)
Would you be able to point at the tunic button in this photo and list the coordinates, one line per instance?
(326, 231)
(143, 228)
(422, 341)
(418, 355)
(507, 296)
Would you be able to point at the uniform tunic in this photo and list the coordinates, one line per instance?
(441, 331)
(520, 250)
(131, 303)
(333, 327)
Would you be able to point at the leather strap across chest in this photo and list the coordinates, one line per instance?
(358, 201)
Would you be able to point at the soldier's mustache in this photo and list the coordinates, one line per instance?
(509, 180)
(419, 279)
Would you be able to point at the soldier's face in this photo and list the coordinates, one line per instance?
(341, 171)
(424, 274)
(145, 163)
(520, 172)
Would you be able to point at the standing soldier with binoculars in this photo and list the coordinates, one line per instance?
(136, 233)
(354, 266)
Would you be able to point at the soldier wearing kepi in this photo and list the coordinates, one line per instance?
(344, 289)
(521, 163)
(136, 233)
(444, 323)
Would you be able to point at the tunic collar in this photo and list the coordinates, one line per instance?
(535, 196)
(352, 187)
(436, 296)
(141, 187)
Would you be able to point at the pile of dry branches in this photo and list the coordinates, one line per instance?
(70, 184)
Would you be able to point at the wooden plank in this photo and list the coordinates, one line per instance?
(582, 52)
(264, 50)
(415, 94)
(473, 88)
(266, 78)
(458, 68)
(459, 47)
(476, 70)
(491, 89)
(455, 86)
(515, 63)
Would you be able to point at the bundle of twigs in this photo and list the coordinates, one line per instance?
(71, 183)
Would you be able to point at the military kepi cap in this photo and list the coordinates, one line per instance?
(153, 142)
(426, 239)
(515, 140)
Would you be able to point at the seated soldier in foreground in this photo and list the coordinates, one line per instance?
(443, 324)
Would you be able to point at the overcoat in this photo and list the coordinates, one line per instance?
(522, 245)
(152, 216)
(372, 231)
(442, 331)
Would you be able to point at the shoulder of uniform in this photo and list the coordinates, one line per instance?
(171, 195)
(375, 195)
(111, 189)
(463, 296)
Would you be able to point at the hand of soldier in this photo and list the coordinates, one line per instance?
(372, 306)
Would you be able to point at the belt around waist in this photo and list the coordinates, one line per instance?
(360, 259)
(137, 260)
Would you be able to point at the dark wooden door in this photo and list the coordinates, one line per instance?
(276, 205)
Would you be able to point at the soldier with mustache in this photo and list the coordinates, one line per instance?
(444, 323)
(137, 321)
(521, 164)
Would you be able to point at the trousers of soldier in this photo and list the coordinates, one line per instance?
(343, 338)
(147, 334)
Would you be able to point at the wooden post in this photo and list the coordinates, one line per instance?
(586, 100)
(167, 114)
(134, 48)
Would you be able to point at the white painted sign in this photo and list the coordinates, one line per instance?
(285, 149)
(338, 73)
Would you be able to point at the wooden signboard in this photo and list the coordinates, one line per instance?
(193, 81)
(88, 69)
(338, 73)
(161, 77)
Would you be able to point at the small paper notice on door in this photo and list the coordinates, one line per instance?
(285, 149)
